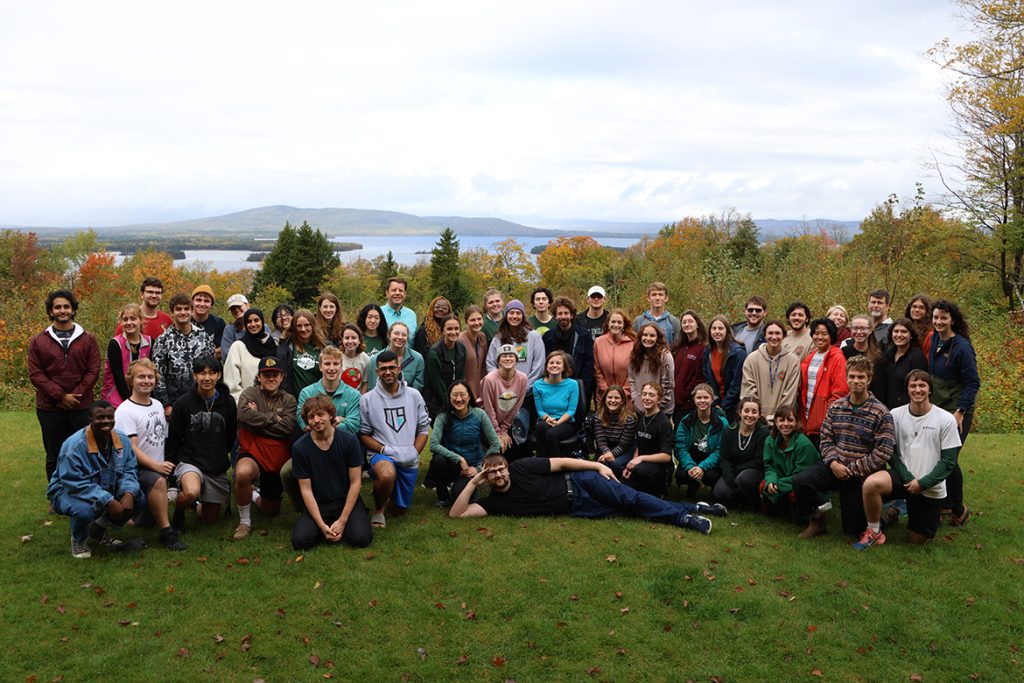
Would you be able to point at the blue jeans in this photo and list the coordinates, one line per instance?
(596, 497)
(84, 513)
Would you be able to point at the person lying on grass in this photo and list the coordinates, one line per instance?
(581, 488)
(95, 481)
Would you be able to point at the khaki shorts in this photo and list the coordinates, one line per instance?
(214, 489)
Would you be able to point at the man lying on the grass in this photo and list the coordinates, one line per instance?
(581, 488)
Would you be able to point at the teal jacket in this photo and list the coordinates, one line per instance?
(684, 457)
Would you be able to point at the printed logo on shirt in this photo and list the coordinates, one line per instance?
(507, 400)
(305, 361)
(395, 418)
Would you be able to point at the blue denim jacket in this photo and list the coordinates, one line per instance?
(84, 473)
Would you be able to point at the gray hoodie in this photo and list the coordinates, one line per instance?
(395, 421)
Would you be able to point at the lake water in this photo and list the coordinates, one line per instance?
(402, 247)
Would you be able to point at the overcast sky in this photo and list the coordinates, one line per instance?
(639, 110)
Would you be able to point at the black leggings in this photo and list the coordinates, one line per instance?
(548, 437)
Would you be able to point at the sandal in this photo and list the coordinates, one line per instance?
(377, 520)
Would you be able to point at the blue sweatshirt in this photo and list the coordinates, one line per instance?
(556, 400)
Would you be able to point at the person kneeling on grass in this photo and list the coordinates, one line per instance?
(266, 418)
(927, 443)
(394, 430)
(95, 481)
(199, 439)
(328, 464)
(581, 488)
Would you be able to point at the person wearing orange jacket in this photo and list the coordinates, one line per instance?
(822, 378)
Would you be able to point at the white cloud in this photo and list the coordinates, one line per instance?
(643, 110)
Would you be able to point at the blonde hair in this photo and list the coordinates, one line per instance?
(143, 363)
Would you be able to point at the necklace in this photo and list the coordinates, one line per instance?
(739, 438)
(646, 421)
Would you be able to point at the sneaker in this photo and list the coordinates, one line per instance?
(825, 507)
(961, 519)
(98, 536)
(697, 523)
(169, 539)
(241, 532)
(868, 539)
(80, 551)
(178, 521)
(716, 509)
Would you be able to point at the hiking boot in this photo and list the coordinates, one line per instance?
(178, 521)
(716, 509)
(242, 532)
(961, 519)
(816, 527)
(868, 539)
(169, 539)
(696, 523)
(80, 551)
(890, 516)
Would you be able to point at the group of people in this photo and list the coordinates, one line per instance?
(588, 412)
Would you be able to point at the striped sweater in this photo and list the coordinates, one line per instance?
(858, 436)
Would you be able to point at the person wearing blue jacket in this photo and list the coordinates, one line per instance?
(96, 482)
(698, 440)
(956, 383)
(723, 364)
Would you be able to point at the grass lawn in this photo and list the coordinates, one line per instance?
(534, 599)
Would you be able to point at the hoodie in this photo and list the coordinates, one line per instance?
(774, 381)
(395, 421)
(202, 434)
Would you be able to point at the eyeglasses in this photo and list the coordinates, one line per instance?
(596, 295)
(755, 310)
(386, 369)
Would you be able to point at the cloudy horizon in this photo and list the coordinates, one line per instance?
(646, 111)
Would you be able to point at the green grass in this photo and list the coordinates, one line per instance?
(534, 599)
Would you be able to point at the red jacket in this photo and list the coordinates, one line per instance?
(55, 372)
(829, 386)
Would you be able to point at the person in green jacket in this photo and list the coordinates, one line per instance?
(698, 439)
(786, 452)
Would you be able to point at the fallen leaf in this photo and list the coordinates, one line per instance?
(26, 538)
(61, 609)
(280, 612)
(132, 605)
(471, 615)
(612, 559)
(242, 560)
(369, 556)
(373, 602)
(1018, 560)
(439, 605)
(785, 593)
(560, 624)
(318, 585)
(734, 610)
(86, 585)
(65, 639)
(780, 577)
(667, 628)
(618, 595)
(421, 653)
(574, 598)
(624, 610)
(48, 522)
(969, 602)
(686, 604)
(842, 584)
(183, 652)
(463, 659)
(125, 622)
(621, 651)
(170, 589)
(299, 558)
(593, 671)
(499, 661)
(916, 677)
(977, 546)
(974, 676)
(202, 558)
(816, 672)
(751, 582)
(804, 577)
(44, 600)
(314, 660)
(262, 532)
(812, 628)
(687, 577)
(218, 639)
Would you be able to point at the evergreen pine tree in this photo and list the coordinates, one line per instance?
(446, 277)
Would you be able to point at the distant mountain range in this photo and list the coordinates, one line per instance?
(267, 221)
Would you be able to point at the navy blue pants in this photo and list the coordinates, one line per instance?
(596, 497)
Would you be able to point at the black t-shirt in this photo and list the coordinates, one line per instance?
(327, 470)
(214, 326)
(654, 434)
(594, 325)
(534, 490)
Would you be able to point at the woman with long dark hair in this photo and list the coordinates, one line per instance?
(863, 342)
(474, 339)
(688, 357)
(699, 440)
(904, 355)
(723, 364)
(355, 363)
(651, 361)
(457, 442)
(445, 363)
(281, 319)
(374, 327)
(529, 346)
(919, 311)
(822, 377)
(954, 369)
(787, 452)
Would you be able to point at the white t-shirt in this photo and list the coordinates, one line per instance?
(812, 379)
(921, 440)
(145, 422)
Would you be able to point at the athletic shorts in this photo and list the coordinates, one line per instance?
(269, 483)
(148, 479)
(405, 481)
(214, 489)
(923, 514)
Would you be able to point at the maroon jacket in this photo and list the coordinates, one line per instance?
(689, 373)
(55, 372)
